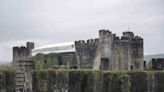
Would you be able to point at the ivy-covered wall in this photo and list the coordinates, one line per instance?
(45, 61)
(7, 81)
(55, 61)
(97, 81)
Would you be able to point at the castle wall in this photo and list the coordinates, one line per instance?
(86, 52)
(97, 81)
(69, 59)
(55, 60)
(157, 64)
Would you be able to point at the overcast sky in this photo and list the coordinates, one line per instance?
(53, 21)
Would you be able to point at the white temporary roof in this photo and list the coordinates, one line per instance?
(55, 48)
(56, 45)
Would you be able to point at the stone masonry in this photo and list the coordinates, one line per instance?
(109, 52)
(23, 65)
(120, 54)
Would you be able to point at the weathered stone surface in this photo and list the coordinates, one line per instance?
(159, 82)
(157, 64)
(7, 81)
(138, 81)
(86, 52)
(108, 52)
(97, 81)
(58, 80)
(120, 54)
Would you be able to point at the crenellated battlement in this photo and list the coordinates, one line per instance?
(128, 34)
(88, 50)
(22, 51)
(137, 39)
(125, 38)
(87, 42)
(15, 48)
(19, 49)
(104, 32)
(117, 38)
(23, 48)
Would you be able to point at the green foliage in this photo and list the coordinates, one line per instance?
(2, 79)
(45, 61)
(63, 67)
(7, 80)
(97, 81)
(149, 66)
(113, 82)
(39, 81)
(138, 81)
(6, 67)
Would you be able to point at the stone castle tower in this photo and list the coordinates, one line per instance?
(125, 53)
(23, 65)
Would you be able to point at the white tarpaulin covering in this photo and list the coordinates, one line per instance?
(55, 48)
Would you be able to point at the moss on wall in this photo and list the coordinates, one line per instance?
(116, 82)
(40, 81)
(2, 80)
(7, 80)
(97, 81)
(45, 61)
(58, 81)
(138, 81)
(87, 81)
(159, 82)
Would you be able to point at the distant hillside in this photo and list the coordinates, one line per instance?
(149, 57)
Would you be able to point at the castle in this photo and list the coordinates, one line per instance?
(108, 52)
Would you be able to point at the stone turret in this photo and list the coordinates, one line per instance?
(106, 49)
(30, 46)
